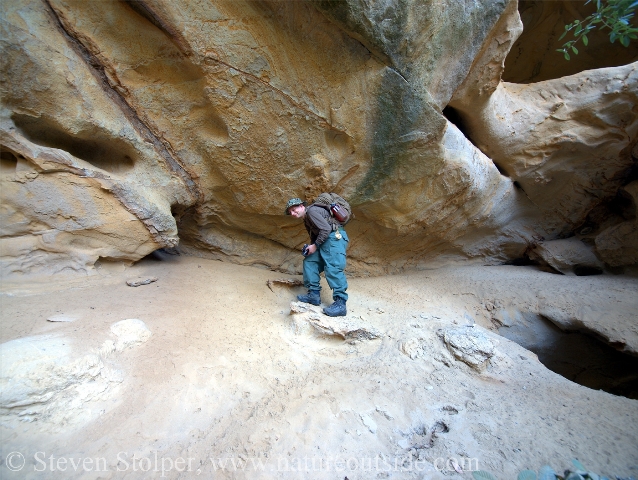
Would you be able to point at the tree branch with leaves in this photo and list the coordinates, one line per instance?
(615, 15)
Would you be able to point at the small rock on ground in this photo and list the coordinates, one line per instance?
(136, 282)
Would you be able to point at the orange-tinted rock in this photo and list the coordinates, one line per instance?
(196, 122)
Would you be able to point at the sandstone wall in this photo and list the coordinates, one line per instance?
(131, 126)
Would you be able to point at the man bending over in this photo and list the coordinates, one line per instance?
(325, 253)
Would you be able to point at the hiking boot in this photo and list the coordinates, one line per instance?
(337, 309)
(312, 297)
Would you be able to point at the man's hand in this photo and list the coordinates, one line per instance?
(312, 249)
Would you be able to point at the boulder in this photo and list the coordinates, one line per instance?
(569, 256)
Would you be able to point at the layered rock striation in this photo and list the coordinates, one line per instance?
(130, 126)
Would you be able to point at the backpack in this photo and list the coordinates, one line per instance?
(337, 207)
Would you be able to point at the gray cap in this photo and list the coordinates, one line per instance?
(293, 202)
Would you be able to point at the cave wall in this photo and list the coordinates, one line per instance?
(131, 126)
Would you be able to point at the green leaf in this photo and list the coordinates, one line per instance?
(547, 472)
(527, 475)
(614, 15)
(578, 465)
(483, 475)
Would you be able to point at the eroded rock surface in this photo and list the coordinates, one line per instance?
(618, 244)
(569, 256)
(348, 328)
(131, 126)
(470, 344)
(49, 378)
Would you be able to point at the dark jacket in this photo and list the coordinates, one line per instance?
(318, 225)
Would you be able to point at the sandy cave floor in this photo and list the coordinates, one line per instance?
(228, 387)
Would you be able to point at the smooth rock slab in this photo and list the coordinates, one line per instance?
(348, 328)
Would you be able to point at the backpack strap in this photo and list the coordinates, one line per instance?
(332, 220)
